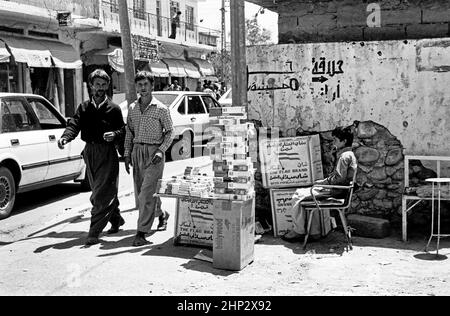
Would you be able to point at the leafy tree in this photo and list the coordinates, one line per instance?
(255, 34)
(216, 60)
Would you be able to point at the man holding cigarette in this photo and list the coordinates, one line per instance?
(101, 125)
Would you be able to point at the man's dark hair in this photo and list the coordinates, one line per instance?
(178, 12)
(144, 75)
(343, 134)
(99, 73)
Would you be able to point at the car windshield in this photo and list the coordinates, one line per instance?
(166, 99)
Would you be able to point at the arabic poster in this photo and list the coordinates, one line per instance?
(281, 200)
(289, 162)
(194, 222)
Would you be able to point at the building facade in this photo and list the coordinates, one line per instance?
(50, 51)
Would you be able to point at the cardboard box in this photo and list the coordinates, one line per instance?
(234, 234)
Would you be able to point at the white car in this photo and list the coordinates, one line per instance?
(226, 99)
(30, 159)
(190, 116)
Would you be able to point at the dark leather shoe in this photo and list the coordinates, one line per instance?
(140, 241)
(90, 241)
(163, 221)
(115, 228)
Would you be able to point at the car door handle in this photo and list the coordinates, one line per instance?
(52, 138)
(193, 119)
(15, 142)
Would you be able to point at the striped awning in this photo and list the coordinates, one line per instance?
(159, 69)
(42, 53)
(206, 68)
(176, 68)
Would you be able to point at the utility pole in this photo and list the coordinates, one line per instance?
(128, 57)
(238, 53)
(224, 40)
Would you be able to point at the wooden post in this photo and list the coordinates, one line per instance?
(238, 53)
(128, 57)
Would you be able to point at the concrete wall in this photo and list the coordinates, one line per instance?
(402, 85)
(86, 8)
(305, 21)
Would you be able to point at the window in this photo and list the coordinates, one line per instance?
(182, 107)
(210, 102)
(189, 18)
(139, 9)
(195, 105)
(16, 117)
(114, 6)
(46, 116)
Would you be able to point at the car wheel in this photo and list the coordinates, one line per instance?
(7, 192)
(182, 149)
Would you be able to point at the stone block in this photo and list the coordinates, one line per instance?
(395, 17)
(366, 195)
(394, 156)
(354, 15)
(367, 155)
(436, 15)
(384, 33)
(427, 30)
(370, 227)
(366, 130)
(378, 174)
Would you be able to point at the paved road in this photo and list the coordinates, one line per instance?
(37, 209)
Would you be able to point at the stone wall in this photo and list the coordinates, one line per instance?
(380, 177)
(306, 21)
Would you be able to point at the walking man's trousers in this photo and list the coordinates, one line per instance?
(146, 176)
(102, 170)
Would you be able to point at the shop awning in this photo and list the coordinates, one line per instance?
(176, 69)
(112, 56)
(159, 69)
(4, 54)
(191, 70)
(42, 53)
(64, 56)
(206, 68)
(29, 51)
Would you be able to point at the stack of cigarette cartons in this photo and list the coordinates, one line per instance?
(230, 151)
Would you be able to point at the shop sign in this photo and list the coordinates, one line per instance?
(144, 48)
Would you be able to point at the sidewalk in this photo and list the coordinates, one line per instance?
(56, 262)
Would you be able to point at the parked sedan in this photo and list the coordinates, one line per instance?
(190, 116)
(29, 155)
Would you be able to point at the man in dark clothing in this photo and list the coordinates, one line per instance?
(175, 23)
(101, 124)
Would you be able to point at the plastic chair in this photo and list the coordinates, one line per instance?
(341, 205)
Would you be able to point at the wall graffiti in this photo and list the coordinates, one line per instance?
(323, 73)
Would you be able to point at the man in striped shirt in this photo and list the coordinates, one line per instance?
(149, 134)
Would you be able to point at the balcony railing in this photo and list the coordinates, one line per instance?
(144, 23)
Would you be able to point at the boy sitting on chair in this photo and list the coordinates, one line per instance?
(342, 175)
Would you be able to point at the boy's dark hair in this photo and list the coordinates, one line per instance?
(144, 75)
(99, 73)
(178, 12)
(343, 134)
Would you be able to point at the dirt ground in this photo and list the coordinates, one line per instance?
(55, 262)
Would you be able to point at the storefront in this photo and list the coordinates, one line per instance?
(42, 67)
(206, 69)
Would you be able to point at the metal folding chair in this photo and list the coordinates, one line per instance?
(341, 205)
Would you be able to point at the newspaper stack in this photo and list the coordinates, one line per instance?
(232, 155)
